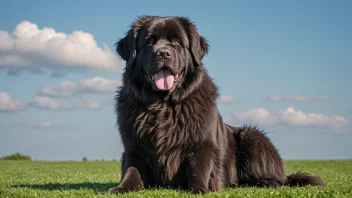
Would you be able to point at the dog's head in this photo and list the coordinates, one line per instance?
(160, 51)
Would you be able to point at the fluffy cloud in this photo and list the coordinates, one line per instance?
(295, 98)
(42, 102)
(290, 116)
(256, 116)
(29, 47)
(227, 99)
(7, 104)
(296, 117)
(99, 85)
(63, 89)
(92, 85)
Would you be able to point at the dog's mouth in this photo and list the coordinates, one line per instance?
(164, 80)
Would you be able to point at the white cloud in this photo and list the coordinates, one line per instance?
(7, 104)
(290, 116)
(13, 61)
(99, 85)
(29, 46)
(256, 116)
(297, 98)
(91, 85)
(63, 89)
(295, 117)
(42, 102)
(227, 99)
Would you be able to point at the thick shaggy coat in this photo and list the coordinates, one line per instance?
(172, 132)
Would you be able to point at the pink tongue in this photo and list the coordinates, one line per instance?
(164, 80)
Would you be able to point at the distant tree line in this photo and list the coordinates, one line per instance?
(16, 156)
(20, 156)
(85, 159)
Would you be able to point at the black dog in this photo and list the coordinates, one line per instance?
(172, 132)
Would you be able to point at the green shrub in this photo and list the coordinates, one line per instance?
(16, 156)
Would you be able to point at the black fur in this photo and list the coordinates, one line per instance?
(176, 137)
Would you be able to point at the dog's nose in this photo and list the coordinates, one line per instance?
(163, 53)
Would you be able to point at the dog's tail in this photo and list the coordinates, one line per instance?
(303, 179)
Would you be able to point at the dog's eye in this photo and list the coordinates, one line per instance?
(175, 42)
(151, 41)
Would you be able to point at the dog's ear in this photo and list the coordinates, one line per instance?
(198, 45)
(127, 46)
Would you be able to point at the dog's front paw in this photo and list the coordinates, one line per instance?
(198, 190)
(118, 190)
(122, 189)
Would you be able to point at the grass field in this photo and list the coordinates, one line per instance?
(93, 179)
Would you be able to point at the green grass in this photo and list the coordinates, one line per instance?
(93, 179)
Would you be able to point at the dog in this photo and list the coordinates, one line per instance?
(172, 132)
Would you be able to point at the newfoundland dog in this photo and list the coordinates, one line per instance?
(171, 129)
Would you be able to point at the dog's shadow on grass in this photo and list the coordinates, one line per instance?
(98, 187)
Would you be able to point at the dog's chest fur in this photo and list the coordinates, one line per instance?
(169, 132)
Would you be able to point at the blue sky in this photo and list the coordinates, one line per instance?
(285, 66)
